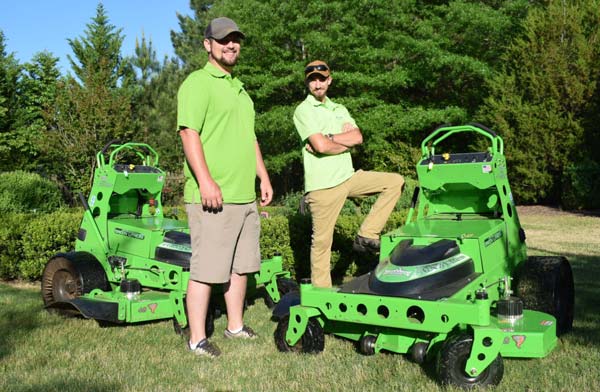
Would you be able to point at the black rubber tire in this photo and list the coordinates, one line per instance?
(61, 281)
(68, 276)
(209, 325)
(312, 341)
(366, 345)
(284, 286)
(451, 365)
(545, 284)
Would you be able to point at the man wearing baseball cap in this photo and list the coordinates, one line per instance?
(215, 119)
(328, 133)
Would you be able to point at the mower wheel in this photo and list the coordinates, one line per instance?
(312, 341)
(366, 344)
(284, 286)
(185, 331)
(61, 281)
(452, 359)
(545, 284)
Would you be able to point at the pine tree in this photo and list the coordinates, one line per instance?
(401, 68)
(37, 94)
(540, 101)
(10, 71)
(98, 52)
(93, 108)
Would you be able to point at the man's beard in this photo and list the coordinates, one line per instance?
(227, 60)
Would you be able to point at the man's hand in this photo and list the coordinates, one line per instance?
(266, 193)
(212, 199)
(347, 127)
(309, 148)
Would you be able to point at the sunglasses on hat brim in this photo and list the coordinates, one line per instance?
(319, 67)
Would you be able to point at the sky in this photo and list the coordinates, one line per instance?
(31, 26)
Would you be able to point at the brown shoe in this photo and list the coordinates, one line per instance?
(366, 245)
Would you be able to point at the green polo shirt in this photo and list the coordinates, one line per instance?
(311, 117)
(216, 106)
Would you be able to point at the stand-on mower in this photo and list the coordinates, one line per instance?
(444, 288)
(131, 262)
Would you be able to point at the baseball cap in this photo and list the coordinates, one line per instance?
(316, 67)
(220, 28)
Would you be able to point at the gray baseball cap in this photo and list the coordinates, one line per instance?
(220, 28)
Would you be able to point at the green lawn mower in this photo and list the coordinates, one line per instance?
(131, 262)
(453, 285)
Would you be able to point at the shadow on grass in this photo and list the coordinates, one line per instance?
(18, 316)
(68, 385)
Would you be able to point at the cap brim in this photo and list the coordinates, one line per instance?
(325, 74)
(227, 32)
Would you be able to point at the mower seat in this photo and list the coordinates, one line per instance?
(407, 254)
(176, 249)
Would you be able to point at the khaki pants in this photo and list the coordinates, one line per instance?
(326, 204)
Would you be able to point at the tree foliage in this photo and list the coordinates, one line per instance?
(528, 69)
(9, 76)
(98, 53)
(400, 67)
(91, 110)
(541, 100)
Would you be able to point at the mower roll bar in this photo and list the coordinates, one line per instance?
(146, 153)
(447, 130)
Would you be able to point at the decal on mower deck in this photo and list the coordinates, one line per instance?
(388, 269)
(152, 308)
(493, 238)
(519, 340)
(178, 247)
(131, 234)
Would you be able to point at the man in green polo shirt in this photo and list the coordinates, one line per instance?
(215, 119)
(328, 133)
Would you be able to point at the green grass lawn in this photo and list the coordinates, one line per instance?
(44, 352)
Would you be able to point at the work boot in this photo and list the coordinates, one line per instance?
(366, 245)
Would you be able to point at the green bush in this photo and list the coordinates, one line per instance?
(581, 186)
(44, 236)
(28, 241)
(275, 238)
(22, 191)
(11, 250)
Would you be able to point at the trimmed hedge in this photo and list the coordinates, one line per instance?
(28, 241)
(22, 191)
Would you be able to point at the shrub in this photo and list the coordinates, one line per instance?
(21, 191)
(275, 238)
(581, 186)
(11, 250)
(44, 236)
(28, 241)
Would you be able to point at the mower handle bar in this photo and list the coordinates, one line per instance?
(146, 153)
(447, 131)
(107, 146)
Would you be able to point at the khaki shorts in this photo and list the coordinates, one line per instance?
(223, 243)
